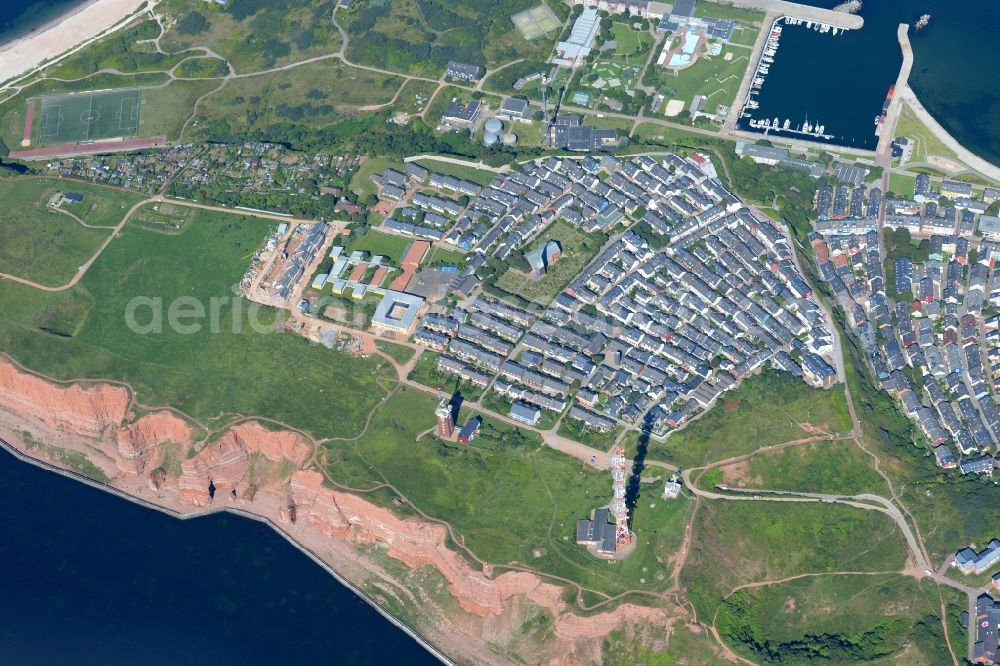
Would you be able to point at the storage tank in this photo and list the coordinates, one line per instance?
(491, 139)
(493, 126)
(508, 139)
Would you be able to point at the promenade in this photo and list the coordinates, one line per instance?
(904, 95)
(805, 12)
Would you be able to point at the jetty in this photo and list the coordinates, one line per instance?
(830, 17)
(905, 95)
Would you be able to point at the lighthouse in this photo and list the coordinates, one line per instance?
(446, 424)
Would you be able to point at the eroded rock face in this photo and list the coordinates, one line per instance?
(275, 445)
(224, 464)
(82, 411)
(137, 444)
(315, 505)
(419, 543)
(305, 507)
(219, 467)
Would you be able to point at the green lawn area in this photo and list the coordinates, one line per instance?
(578, 249)
(714, 77)
(415, 96)
(376, 242)
(361, 181)
(926, 143)
(471, 173)
(901, 184)
(666, 134)
(12, 110)
(509, 498)
(440, 256)
(741, 542)
(238, 369)
(48, 246)
(727, 11)
(165, 110)
(575, 430)
(841, 619)
(759, 413)
(744, 35)
(399, 353)
(838, 467)
(631, 42)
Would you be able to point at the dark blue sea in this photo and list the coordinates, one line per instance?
(88, 578)
(18, 17)
(842, 80)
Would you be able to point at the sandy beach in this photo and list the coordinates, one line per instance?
(62, 34)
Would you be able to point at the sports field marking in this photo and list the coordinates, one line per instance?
(89, 116)
(535, 22)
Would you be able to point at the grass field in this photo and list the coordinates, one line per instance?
(165, 110)
(375, 242)
(415, 96)
(744, 35)
(88, 116)
(361, 181)
(872, 616)
(203, 373)
(481, 176)
(714, 77)
(926, 142)
(631, 42)
(741, 542)
(901, 184)
(313, 94)
(47, 246)
(759, 413)
(839, 467)
(727, 11)
(12, 110)
(510, 498)
(578, 249)
(667, 135)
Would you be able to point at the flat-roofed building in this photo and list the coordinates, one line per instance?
(397, 311)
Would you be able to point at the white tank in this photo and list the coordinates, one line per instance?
(508, 139)
(490, 139)
(493, 126)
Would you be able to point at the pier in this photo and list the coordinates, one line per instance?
(904, 94)
(775, 8)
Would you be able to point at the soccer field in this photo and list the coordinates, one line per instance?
(88, 116)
